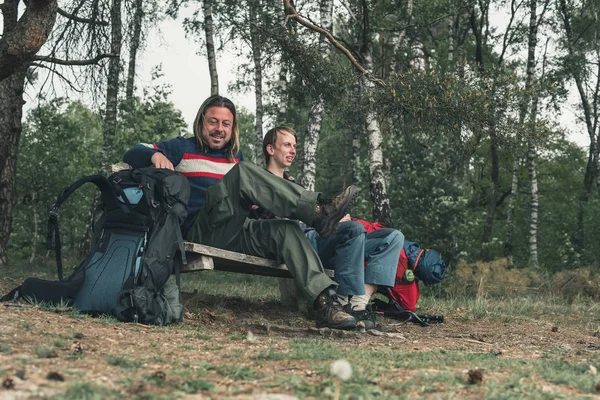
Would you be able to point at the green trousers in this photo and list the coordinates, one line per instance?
(223, 222)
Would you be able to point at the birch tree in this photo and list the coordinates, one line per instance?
(210, 47)
(382, 211)
(256, 47)
(315, 116)
(587, 82)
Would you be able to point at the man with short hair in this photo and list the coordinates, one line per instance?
(223, 188)
(350, 247)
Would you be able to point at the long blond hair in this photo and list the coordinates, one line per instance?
(218, 101)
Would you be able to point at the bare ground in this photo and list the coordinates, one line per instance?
(44, 353)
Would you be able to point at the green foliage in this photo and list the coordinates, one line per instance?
(62, 142)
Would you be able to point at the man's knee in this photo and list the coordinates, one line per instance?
(350, 230)
(396, 238)
(285, 229)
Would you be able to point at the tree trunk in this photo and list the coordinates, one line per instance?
(11, 112)
(382, 211)
(136, 35)
(315, 117)
(510, 212)
(591, 122)
(533, 223)
(210, 47)
(311, 144)
(523, 109)
(112, 85)
(492, 196)
(22, 38)
(397, 39)
(35, 235)
(256, 46)
(282, 89)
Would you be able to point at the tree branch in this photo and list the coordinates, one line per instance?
(54, 71)
(291, 12)
(30, 33)
(80, 19)
(59, 61)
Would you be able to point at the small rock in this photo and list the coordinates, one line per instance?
(20, 374)
(76, 348)
(554, 329)
(475, 376)
(55, 376)
(159, 375)
(8, 384)
(593, 370)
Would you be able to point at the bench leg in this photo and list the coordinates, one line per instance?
(291, 297)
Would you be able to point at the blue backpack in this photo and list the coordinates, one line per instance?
(427, 264)
(133, 253)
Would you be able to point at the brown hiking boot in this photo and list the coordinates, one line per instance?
(329, 212)
(330, 313)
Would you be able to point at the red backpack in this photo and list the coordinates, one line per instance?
(404, 295)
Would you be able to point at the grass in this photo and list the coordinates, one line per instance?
(45, 352)
(220, 362)
(123, 362)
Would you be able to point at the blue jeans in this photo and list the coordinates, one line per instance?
(347, 251)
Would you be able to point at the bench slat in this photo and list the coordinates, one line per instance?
(201, 257)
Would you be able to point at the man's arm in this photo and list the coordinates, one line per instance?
(164, 155)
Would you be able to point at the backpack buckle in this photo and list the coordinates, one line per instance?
(53, 214)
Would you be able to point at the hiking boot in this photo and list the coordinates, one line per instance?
(364, 318)
(329, 212)
(330, 313)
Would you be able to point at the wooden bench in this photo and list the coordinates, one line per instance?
(205, 258)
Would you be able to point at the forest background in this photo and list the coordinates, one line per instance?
(448, 123)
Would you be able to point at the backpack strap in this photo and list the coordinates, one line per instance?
(109, 200)
(418, 258)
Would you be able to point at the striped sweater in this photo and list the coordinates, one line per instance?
(203, 169)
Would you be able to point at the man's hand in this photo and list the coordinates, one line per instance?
(160, 161)
(346, 218)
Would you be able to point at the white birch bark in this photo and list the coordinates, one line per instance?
(524, 109)
(397, 39)
(382, 211)
(315, 117)
(533, 222)
(210, 47)
(34, 239)
(255, 44)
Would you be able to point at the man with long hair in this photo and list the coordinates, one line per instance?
(223, 190)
